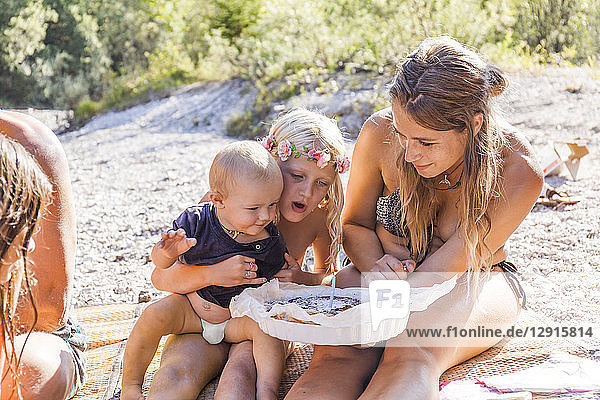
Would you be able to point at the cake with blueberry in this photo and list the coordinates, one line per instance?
(313, 305)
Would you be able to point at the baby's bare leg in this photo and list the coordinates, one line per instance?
(172, 314)
(269, 355)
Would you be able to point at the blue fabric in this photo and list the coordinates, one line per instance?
(74, 335)
(215, 245)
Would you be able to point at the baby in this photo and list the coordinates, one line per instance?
(245, 186)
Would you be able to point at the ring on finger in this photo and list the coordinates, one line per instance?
(247, 275)
(404, 268)
(252, 265)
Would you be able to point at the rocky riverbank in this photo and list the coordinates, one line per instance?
(134, 170)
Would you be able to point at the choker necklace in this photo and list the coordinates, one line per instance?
(445, 181)
(231, 232)
(457, 184)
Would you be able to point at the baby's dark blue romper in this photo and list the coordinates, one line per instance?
(215, 245)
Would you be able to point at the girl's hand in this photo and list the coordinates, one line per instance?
(174, 243)
(236, 270)
(389, 267)
(292, 272)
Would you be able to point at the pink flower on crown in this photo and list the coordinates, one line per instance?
(268, 142)
(284, 149)
(321, 157)
(342, 164)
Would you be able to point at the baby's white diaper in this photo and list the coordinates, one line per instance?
(213, 333)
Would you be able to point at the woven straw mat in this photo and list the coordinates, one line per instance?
(108, 327)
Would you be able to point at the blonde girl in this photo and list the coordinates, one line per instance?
(309, 149)
(24, 193)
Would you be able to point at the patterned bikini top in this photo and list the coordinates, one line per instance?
(386, 212)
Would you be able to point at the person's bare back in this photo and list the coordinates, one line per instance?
(52, 264)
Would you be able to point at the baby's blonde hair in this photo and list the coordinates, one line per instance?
(246, 160)
(313, 130)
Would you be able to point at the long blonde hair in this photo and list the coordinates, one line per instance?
(24, 192)
(442, 86)
(312, 130)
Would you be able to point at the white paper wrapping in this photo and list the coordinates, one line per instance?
(352, 326)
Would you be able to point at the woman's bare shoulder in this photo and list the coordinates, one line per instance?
(31, 133)
(518, 151)
(377, 141)
(521, 166)
(377, 126)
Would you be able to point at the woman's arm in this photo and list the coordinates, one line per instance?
(181, 278)
(184, 278)
(365, 185)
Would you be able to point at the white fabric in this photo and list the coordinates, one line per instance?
(213, 333)
(562, 373)
(352, 326)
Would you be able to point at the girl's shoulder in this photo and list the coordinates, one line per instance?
(307, 229)
(299, 236)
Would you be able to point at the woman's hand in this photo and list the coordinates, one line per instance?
(185, 278)
(236, 270)
(389, 267)
(292, 272)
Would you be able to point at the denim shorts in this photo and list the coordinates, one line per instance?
(74, 335)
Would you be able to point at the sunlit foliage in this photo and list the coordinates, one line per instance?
(61, 53)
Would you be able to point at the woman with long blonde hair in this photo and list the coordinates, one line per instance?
(438, 178)
(24, 193)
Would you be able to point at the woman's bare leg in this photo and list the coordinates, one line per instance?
(268, 353)
(406, 370)
(411, 370)
(188, 364)
(238, 379)
(336, 372)
(47, 367)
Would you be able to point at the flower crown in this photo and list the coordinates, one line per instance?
(285, 149)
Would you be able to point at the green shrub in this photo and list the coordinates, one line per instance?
(56, 53)
(86, 109)
(247, 124)
(556, 30)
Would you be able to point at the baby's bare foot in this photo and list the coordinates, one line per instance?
(132, 392)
